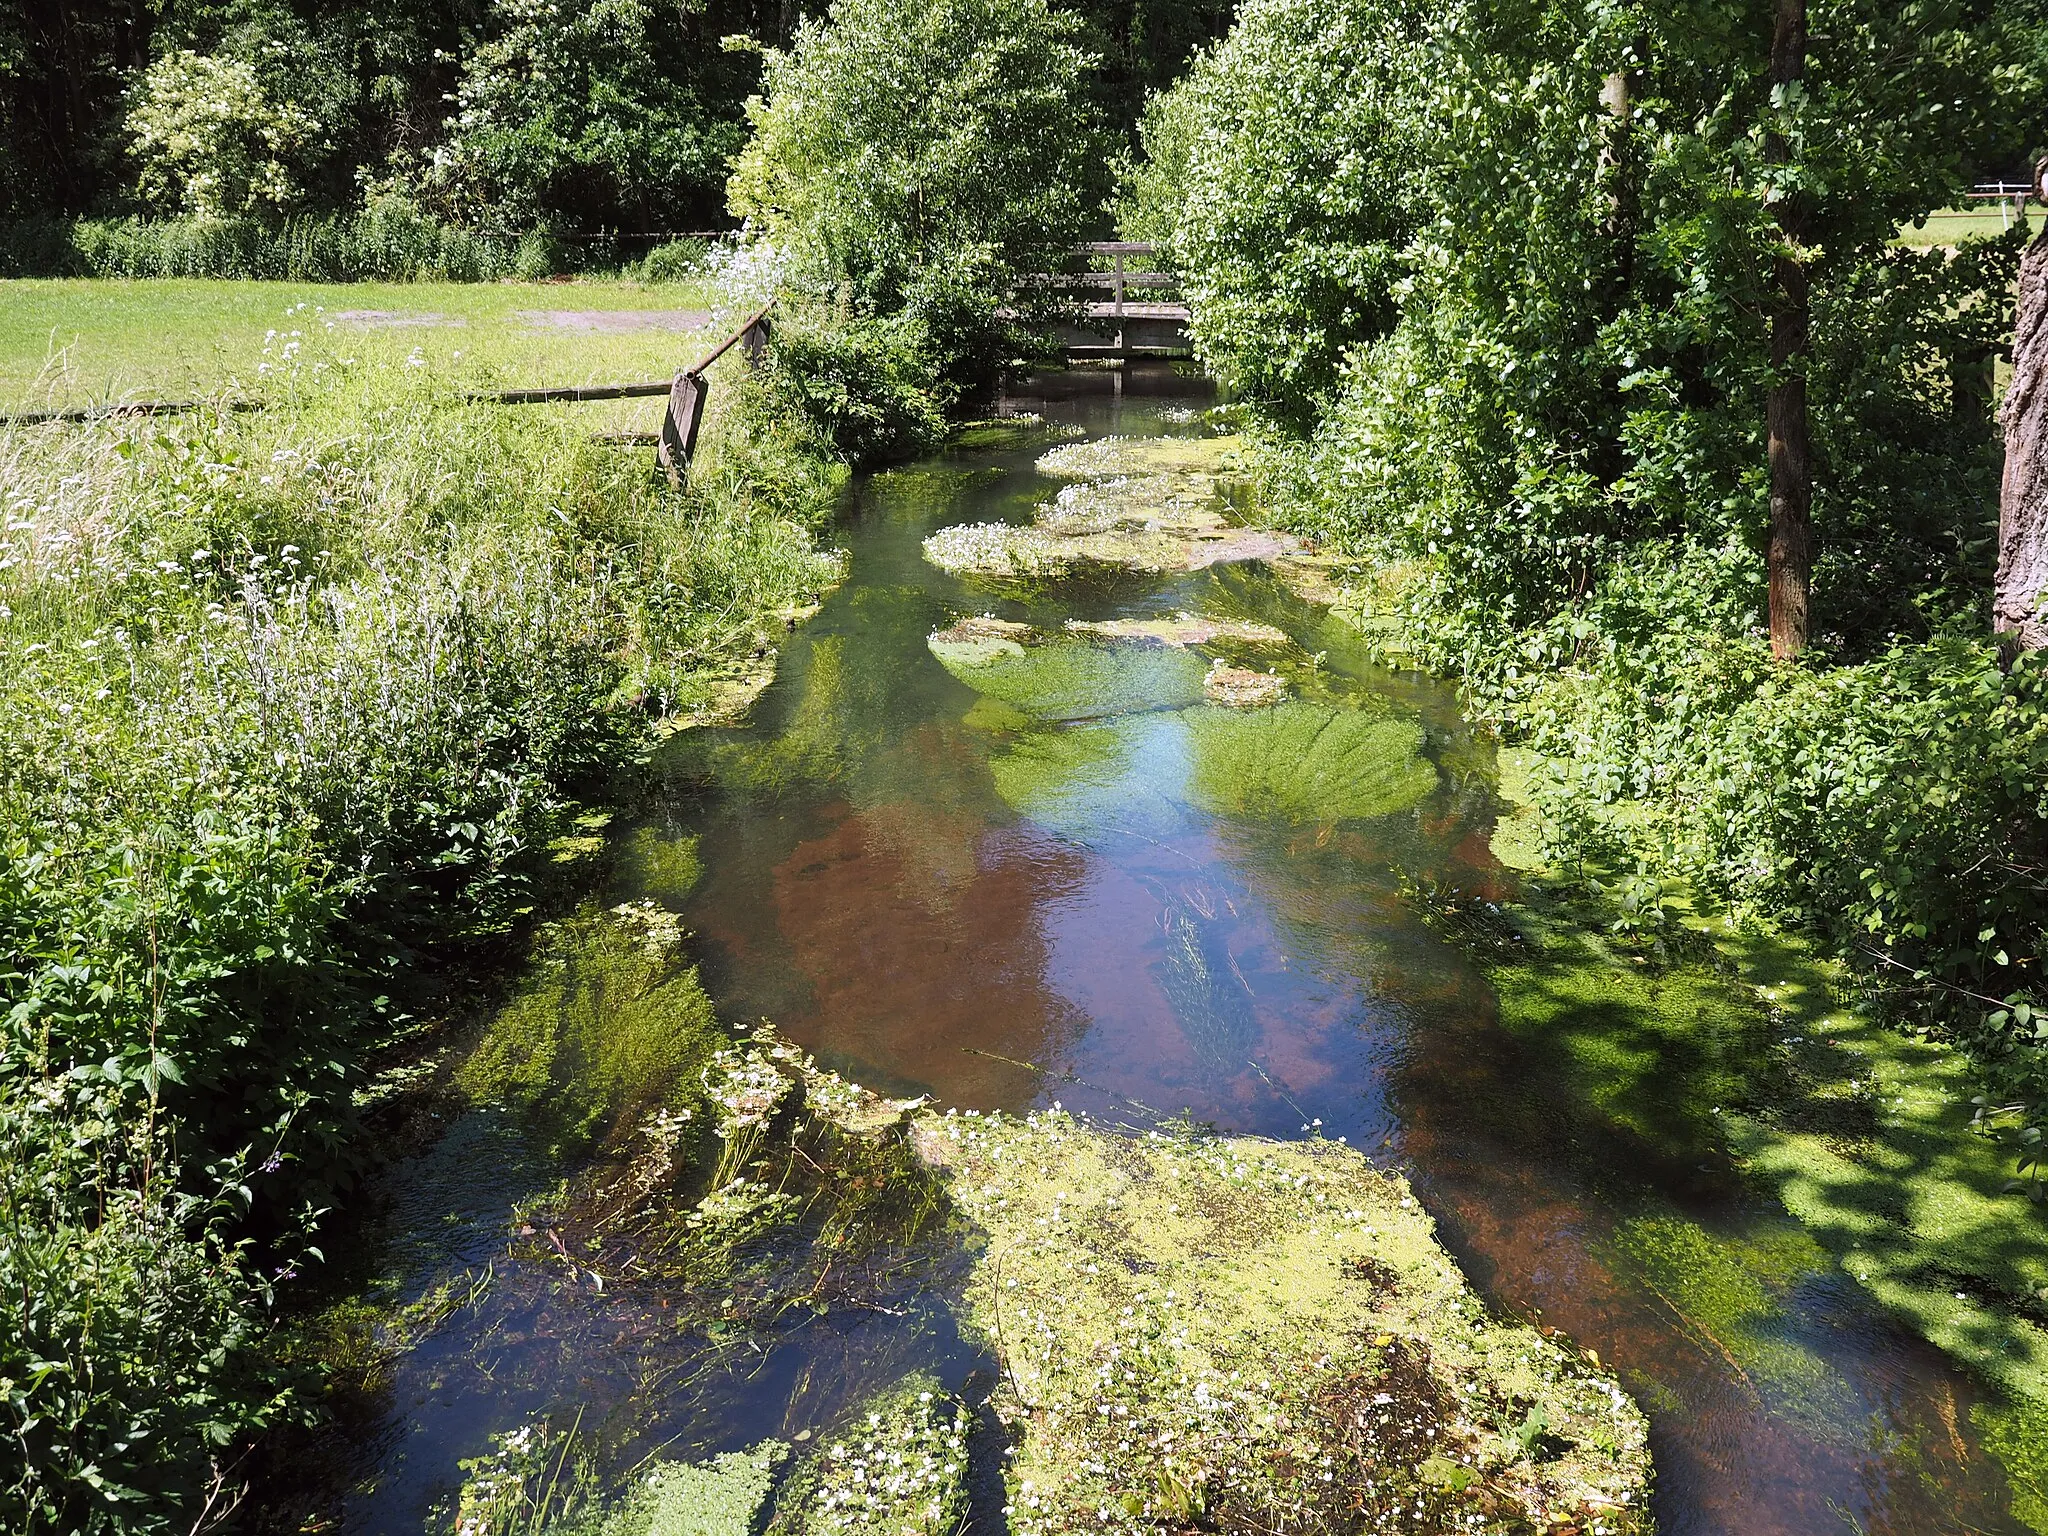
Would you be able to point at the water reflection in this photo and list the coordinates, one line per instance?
(942, 892)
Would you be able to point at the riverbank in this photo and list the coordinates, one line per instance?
(313, 710)
(1870, 1137)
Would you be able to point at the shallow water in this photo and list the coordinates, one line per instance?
(1114, 946)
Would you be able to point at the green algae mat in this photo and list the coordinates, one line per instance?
(1188, 1331)
(1140, 504)
(1244, 1334)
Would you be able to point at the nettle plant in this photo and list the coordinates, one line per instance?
(210, 141)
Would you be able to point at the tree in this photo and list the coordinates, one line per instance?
(1789, 558)
(209, 139)
(1640, 290)
(914, 158)
(2022, 575)
(587, 113)
(1283, 180)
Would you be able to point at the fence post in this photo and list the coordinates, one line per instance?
(679, 426)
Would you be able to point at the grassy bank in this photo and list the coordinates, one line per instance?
(1868, 1135)
(301, 703)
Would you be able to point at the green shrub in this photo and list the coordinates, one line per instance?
(294, 699)
(913, 160)
(391, 241)
(673, 261)
(131, 1369)
(210, 140)
(864, 388)
(590, 112)
(1282, 176)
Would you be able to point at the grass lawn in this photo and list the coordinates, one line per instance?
(1947, 226)
(73, 342)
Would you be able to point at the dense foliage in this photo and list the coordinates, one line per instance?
(912, 158)
(1281, 181)
(495, 115)
(1510, 312)
(294, 699)
(912, 162)
(596, 114)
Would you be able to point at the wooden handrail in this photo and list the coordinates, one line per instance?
(125, 408)
(573, 392)
(570, 392)
(731, 341)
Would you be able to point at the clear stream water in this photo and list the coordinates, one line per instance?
(867, 889)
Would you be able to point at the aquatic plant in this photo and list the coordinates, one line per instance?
(1075, 678)
(1305, 762)
(1080, 781)
(1257, 1335)
(656, 865)
(1211, 1003)
(607, 1026)
(1104, 458)
(897, 1466)
(724, 1496)
(1727, 1295)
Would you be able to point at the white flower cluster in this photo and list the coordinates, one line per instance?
(903, 1477)
(747, 1089)
(1001, 548)
(745, 275)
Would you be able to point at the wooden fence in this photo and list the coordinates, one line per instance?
(1114, 328)
(676, 443)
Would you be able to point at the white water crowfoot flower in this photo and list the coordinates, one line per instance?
(900, 1469)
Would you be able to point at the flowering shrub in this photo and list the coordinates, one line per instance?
(210, 140)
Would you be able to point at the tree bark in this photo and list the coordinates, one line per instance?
(1790, 558)
(2023, 496)
(1614, 175)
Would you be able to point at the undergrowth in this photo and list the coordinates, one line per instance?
(294, 698)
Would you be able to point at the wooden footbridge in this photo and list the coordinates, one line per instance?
(1118, 326)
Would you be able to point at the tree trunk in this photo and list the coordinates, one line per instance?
(1615, 176)
(1790, 560)
(2023, 497)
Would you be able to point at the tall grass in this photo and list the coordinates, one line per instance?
(291, 698)
(385, 243)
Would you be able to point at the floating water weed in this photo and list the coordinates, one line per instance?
(897, 1467)
(1261, 1335)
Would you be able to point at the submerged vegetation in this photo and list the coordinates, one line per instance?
(1179, 1327)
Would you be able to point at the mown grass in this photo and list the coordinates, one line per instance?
(1950, 226)
(298, 702)
(72, 342)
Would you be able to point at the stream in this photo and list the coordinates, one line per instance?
(867, 886)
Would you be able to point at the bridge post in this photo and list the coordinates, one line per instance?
(679, 426)
(1119, 299)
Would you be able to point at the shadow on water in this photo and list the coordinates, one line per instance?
(934, 895)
